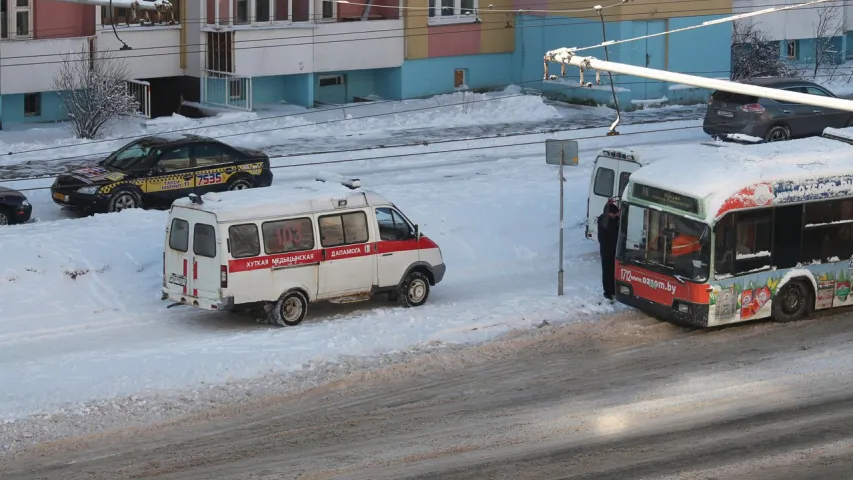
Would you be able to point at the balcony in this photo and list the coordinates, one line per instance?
(31, 65)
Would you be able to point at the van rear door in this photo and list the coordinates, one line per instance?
(192, 265)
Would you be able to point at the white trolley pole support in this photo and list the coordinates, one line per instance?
(566, 56)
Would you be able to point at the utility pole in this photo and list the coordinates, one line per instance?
(567, 56)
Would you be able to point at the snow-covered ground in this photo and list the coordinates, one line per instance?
(286, 129)
(81, 317)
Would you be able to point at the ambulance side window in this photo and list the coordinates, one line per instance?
(204, 240)
(392, 226)
(179, 235)
(603, 186)
(343, 229)
(293, 235)
(244, 240)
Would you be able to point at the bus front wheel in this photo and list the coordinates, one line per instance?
(791, 302)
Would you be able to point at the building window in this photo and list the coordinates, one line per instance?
(452, 11)
(122, 16)
(23, 19)
(241, 16)
(32, 105)
(793, 49)
(328, 10)
(329, 80)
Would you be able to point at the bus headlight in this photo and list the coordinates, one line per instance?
(683, 308)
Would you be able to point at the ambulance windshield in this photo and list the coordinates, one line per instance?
(664, 243)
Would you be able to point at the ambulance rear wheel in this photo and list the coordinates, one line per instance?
(290, 309)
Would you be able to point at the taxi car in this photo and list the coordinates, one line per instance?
(156, 170)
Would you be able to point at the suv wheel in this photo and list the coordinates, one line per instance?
(777, 134)
(240, 184)
(124, 200)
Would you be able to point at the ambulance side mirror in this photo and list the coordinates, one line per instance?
(417, 232)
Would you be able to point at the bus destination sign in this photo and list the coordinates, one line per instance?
(667, 198)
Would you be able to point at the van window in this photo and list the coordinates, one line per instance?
(604, 182)
(292, 235)
(623, 182)
(179, 235)
(244, 240)
(204, 240)
(344, 229)
(391, 225)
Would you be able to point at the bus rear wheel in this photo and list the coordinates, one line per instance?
(791, 302)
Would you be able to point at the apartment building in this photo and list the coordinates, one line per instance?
(241, 54)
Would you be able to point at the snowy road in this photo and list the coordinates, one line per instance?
(617, 398)
(360, 126)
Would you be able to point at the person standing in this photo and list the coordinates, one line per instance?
(608, 233)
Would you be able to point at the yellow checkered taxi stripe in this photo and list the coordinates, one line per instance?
(186, 180)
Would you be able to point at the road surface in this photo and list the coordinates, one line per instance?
(621, 397)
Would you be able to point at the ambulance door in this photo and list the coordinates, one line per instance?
(396, 247)
(602, 186)
(191, 262)
(347, 263)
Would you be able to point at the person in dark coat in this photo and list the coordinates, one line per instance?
(608, 232)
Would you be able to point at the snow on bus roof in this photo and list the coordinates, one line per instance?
(274, 201)
(726, 175)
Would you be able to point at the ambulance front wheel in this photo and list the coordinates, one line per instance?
(290, 309)
(414, 290)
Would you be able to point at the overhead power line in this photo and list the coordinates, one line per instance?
(420, 154)
(528, 24)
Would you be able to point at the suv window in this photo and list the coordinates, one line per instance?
(604, 182)
(392, 226)
(736, 98)
(208, 154)
(179, 235)
(293, 235)
(204, 240)
(244, 240)
(176, 159)
(343, 229)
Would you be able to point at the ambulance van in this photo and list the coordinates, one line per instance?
(284, 248)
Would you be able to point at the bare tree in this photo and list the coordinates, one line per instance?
(754, 54)
(93, 88)
(829, 25)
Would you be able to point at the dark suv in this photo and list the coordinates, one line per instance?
(772, 120)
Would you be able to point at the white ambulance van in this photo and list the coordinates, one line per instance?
(613, 167)
(610, 173)
(283, 248)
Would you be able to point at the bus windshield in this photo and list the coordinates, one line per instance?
(664, 243)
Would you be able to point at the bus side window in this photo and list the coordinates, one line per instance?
(754, 240)
(827, 231)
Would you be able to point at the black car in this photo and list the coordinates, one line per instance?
(14, 207)
(772, 120)
(156, 170)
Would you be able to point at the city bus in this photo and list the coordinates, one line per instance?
(740, 233)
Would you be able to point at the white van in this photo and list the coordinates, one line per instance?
(283, 248)
(610, 174)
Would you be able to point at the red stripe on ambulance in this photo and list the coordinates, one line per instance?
(274, 261)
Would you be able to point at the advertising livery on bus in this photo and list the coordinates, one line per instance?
(739, 233)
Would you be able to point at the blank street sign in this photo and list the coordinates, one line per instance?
(568, 148)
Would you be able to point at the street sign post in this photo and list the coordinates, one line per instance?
(561, 152)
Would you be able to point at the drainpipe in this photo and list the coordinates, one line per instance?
(366, 12)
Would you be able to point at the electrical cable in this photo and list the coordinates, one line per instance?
(240, 28)
(287, 127)
(413, 154)
(299, 114)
